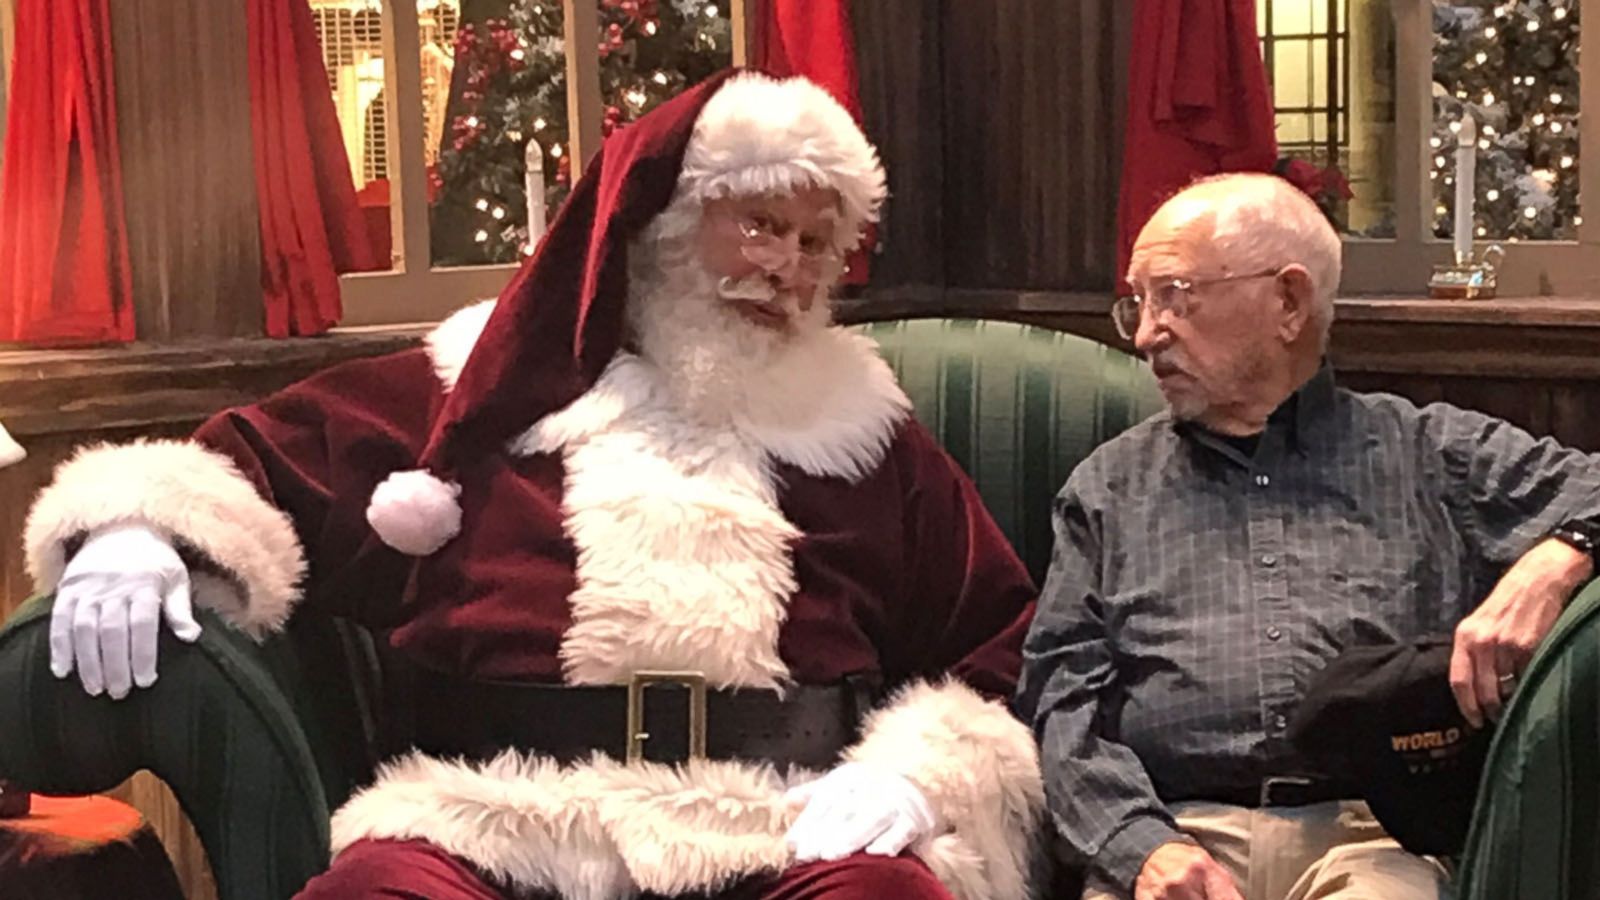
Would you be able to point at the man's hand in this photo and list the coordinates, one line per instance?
(109, 606)
(858, 807)
(1180, 871)
(1494, 644)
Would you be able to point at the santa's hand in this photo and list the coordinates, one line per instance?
(855, 807)
(109, 607)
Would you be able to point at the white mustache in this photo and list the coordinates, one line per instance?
(754, 288)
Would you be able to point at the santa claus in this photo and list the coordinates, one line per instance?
(693, 604)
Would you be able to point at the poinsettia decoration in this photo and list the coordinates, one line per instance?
(1327, 187)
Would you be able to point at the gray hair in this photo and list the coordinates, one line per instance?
(1259, 221)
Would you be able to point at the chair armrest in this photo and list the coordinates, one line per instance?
(215, 727)
(1535, 831)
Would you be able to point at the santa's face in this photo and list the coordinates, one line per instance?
(771, 255)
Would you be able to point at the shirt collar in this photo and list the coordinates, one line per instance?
(1310, 409)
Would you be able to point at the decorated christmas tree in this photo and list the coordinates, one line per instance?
(1512, 66)
(510, 88)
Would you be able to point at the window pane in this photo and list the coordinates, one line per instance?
(1293, 17)
(1514, 68)
(505, 111)
(1332, 67)
(351, 35)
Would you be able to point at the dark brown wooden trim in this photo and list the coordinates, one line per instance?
(1515, 338)
(138, 385)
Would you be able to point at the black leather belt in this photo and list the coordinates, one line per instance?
(1289, 790)
(676, 718)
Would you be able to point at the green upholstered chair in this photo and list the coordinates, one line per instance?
(1535, 831)
(257, 759)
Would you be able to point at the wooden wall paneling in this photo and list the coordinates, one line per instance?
(1031, 137)
(1419, 389)
(183, 99)
(1575, 415)
(902, 106)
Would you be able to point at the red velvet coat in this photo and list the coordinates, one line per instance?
(903, 574)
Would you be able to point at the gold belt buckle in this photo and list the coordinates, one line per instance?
(638, 682)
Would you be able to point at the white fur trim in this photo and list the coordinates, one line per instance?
(683, 555)
(451, 341)
(605, 831)
(589, 832)
(979, 768)
(759, 135)
(414, 512)
(10, 451)
(188, 492)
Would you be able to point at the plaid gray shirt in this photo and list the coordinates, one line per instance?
(1195, 590)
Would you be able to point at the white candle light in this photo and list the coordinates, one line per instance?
(1466, 164)
(533, 185)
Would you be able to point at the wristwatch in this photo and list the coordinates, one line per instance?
(1580, 534)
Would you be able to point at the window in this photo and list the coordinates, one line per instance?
(470, 151)
(1326, 114)
(1379, 89)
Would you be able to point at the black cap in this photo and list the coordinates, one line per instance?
(1384, 719)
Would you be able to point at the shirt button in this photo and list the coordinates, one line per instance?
(1274, 632)
(1269, 560)
(1263, 480)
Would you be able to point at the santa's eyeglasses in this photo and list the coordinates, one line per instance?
(771, 245)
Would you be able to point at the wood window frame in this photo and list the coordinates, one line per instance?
(414, 290)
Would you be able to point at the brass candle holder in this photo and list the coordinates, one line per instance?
(1468, 278)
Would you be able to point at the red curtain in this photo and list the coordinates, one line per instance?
(64, 270)
(812, 38)
(311, 224)
(1198, 104)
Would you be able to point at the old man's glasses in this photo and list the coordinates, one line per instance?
(1170, 296)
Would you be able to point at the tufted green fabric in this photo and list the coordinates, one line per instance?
(1018, 407)
(259, 742)
(1536, 827)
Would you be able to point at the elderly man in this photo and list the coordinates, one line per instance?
(1210, 561)
(653, 460)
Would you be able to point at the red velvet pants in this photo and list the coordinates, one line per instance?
(417, 870)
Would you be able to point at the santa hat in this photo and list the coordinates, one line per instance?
(560, 321)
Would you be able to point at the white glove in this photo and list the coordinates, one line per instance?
(108, 608)
(858, 806)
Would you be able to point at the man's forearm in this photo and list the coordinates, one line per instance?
(1101, 799)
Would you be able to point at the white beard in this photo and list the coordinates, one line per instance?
(719, 366)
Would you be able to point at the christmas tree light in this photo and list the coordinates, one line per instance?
(1520, 61)
(512, 71)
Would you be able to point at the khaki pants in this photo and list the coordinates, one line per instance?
(1316, 852)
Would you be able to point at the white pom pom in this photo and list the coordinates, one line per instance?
(414, 512)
